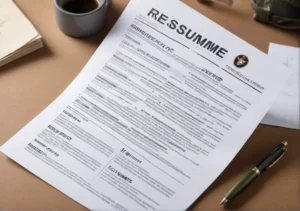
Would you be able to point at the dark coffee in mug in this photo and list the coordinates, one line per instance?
(80, 6)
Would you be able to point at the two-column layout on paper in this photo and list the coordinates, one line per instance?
(159, 111)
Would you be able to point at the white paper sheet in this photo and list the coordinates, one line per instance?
(285, 112)
(155, 116)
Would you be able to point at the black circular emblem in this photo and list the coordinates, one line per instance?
(241, 61)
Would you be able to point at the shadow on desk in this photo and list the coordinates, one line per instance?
(247, 158)
(14, 164)
(225, 10)
(39, 54)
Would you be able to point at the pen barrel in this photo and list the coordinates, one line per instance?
(247, 178)
(272, 158)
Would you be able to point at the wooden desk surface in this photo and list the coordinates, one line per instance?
(28, 85)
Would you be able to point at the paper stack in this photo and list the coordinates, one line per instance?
(18, 37)
(285, 112)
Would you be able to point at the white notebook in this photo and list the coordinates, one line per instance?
(18, 37)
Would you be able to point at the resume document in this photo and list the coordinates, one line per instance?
(159, 111)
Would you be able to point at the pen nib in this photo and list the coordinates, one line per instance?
(224, 201)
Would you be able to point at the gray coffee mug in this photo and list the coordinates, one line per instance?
(80, 24)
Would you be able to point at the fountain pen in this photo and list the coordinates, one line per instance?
(265, 164)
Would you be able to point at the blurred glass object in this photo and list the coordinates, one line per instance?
(227, 2)
(280, 13)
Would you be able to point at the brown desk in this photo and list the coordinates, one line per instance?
(28, 85)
